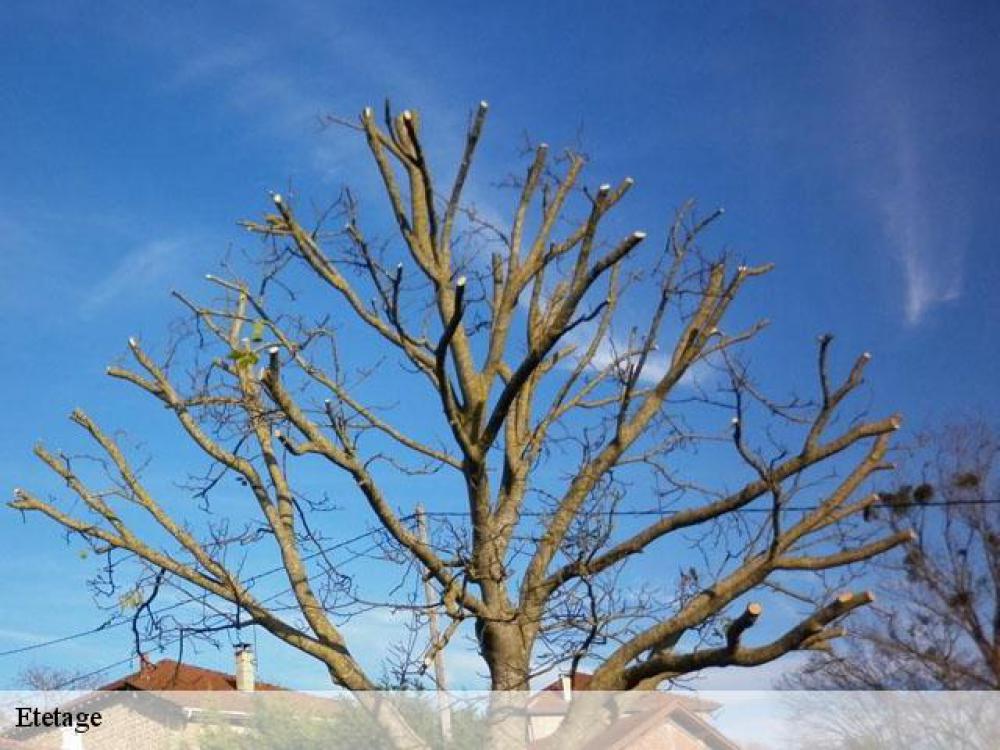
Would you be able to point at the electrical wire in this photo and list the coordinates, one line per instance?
(111, 624)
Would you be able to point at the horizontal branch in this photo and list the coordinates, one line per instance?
(845, 557)
(693, 516)
(666, 665)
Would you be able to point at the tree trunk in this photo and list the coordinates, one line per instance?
(507, 655)
(508, 658)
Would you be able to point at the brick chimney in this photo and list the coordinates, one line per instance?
(244, 667)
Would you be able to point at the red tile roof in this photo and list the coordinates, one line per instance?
(189, 689)
(581, 681)
(168, 674)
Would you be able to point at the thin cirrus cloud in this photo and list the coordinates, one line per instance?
(258, 81)
(904, 99)
(133, 274)
(923, 233)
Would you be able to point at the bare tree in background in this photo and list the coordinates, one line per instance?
(559, 354)
(44, 677)
(938, 626)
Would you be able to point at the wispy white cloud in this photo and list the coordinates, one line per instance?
(903, 170)
(369, 633)
(252, 78)
(21, 636)
(217, 60)
(263, 81)
(610, 352)
(137, 271)
(612, 349)
(926, 238)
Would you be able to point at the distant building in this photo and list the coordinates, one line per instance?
(169, 705)
(161, 705)
(648, 721)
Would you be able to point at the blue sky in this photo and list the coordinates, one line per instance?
(854, 144)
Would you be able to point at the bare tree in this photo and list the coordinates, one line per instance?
(561, 363)
(939, 625)
(43, 677)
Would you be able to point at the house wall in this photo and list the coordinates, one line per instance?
(122, 728)
(671, 736)
(667, 736)
(542, 726)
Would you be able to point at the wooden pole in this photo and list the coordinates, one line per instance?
(444, 710)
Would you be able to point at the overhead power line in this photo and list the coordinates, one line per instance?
(112, 624)
(768, 509)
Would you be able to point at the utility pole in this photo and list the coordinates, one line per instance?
(444, 709)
